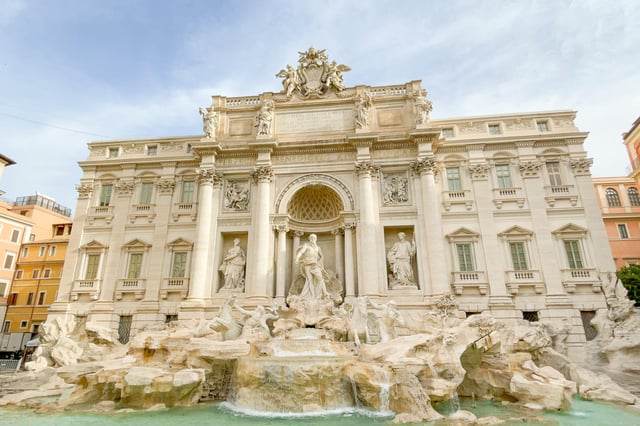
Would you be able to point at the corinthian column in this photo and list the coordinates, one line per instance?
(368, 252)
(281, 267)
(425, 168)
(260, 282)
(349, 280)
(208, 179)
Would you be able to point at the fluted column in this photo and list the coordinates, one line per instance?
(425, 168)
(349, 265)
(260, 284)
(207, 179)
(281, 266)
(339, 253)
(367, 236)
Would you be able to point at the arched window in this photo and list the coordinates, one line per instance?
(612, 198)
(634, 198)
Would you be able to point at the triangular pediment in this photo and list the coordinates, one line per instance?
(94, 245)
(137, 243)
(180, 243)
(462, 234)
(516, 231)
(570, 228)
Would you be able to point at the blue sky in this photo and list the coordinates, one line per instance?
(74, 71)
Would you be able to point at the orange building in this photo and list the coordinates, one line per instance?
(619, 199)
(34, 288)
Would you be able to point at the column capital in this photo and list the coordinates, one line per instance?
(166, 185)
(297, 233)
(530, 169)
(84, 190)
(209, 176)
(424, 165)
(125, 187)
(364, 168)
(262, 174)
(581, 166)
(281, 227)
(348, 226)
(337, 231)
(479, 171)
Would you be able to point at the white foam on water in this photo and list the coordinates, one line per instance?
(289, 415)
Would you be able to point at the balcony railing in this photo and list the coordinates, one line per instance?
(90, 287)
(580, 277)
(561, 192)
(524, 278)
(463, 197)
(100, 213)
(130, 285)
(184, 209)
(508, 195)
(174, 285)
(462, 280)
(145, 211)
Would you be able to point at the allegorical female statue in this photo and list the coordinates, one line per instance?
(232, 267)
(399, 258)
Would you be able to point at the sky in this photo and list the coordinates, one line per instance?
(76, 71)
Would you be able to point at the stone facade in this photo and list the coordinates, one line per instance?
(498, 210)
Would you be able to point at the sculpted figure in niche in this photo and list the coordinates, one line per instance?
(399, 258)
(236, 197)
(309, 259)
(209, 122)
(264, 118)
(361, 111)
(232, 267)
(395, 189)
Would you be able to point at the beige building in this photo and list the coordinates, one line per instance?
(498, 210)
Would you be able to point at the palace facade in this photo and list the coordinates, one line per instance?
(497, 210)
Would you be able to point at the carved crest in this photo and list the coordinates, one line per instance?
(315, 75)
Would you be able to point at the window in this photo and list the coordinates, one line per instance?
(25, 252)
(42, 250)
(634, 198)
(12, 299)
(19, 273)
(46, 273)
(553, 171)
(590, 331)
(91, 271)
(32, 237)
(572, 247)
(24, 324)
(135, 265)
(622, 230)
(15, 235)
(152, 150)
(179, 265)
(35, 273)
(448, 132)
(52, 251)
(518, 256)
(146, 191)
(531, 316)
(465, 257)
(41, 297)
(105, 194)
(170, 318)
(59, 230)
(494, 129)
(113, 152)
(124, 328)
(543, 126)
(3, 288)
(6, 326)
(30, 298)
(188, 188)
(8, 260)
(612, 197)
(503, 175)
(189, 148)
(453, 179)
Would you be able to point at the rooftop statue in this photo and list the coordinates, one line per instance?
(315, 75)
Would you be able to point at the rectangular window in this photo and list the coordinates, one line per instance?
(32, 237)
(124, 328)
(25, 252)
(494, 129)
(146, 191)
(93, 262)
(553, 171)
(30, 298)
(135, 265)
(531, 316)
(152, 150)
(518, 256)
(572, 247)
(453, 179)
(46, 273)
(622, 230)
(8, 260)
(42, 250)
(41, 297)
(113, 152)
(12, 299)
(179, 266)
(188, 188)
(465, 257)
(24, 324)
(19, 273)
(59, 230)
(189, 148)
(6, 326)
(504, 176)
(3, 289)
(105, 194)
(35, 273)
(15, 235)
(543, 126)
(52, 251)
(447, 133)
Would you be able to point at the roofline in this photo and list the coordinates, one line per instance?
(633, 127)
(8, 161)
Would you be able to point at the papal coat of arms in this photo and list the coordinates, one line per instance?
(314, 76)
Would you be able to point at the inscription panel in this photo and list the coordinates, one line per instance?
(315, 121)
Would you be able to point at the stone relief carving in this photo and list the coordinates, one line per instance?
(479, 171)
(471, 127)
(361, 110)
(133, 148)
(518, 124)
(84, 190)
(315, 75)
(530, 168)
(396, 189)
(264, 118)
(232, 267)
(236, 196)
(581, 166)
(209, 122)
(400, 258)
